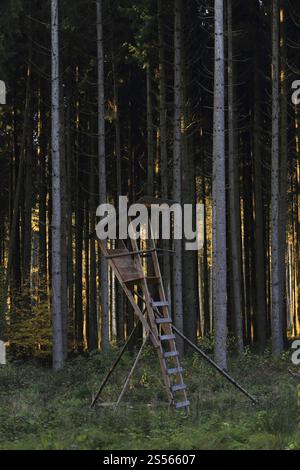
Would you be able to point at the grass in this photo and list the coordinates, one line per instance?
(40, 409)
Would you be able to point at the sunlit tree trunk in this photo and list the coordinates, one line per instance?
(28, 192)
(205, 269)
(283, 168)
(42, 197)
(69, 218)
(87, 267)
(219, 196)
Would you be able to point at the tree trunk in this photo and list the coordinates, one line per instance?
(190, 257)
(276, 321)
(78, 261)
(205, 269)
(58, 352)
(119, 296)
(260, 256)
(219, 196)
(150, 141)
(87, 269)
(28, 194)
(93, 317)
(42, 199)
(69, 219)
(234, 196)
(283, 173)
(64, 257)
(177, 164)
(102, 175)
(163, 145)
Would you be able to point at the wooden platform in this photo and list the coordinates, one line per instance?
(126, 266)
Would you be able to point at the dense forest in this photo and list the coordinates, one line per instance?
(190, 101)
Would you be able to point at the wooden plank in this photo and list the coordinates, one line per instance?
(159, 321)
(175, 370)
(121, 259)
(167, 337)
(176, 388)
(171, 354)
(160, 303)
(182, 404)
(123, 253)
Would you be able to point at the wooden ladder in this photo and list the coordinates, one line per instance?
(162, 312)
(128, 267)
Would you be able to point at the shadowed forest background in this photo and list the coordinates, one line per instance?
(138, 44)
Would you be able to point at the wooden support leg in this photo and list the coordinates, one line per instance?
(105, 380)
(132, 371)
(212, 363)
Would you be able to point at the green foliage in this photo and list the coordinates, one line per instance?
(30, 330)
(40, 409)
(143, 17)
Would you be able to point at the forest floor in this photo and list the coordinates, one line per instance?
(40, 409)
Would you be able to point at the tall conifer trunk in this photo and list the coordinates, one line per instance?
(58, 352)
(102, 174)
(219, 196)
(177, 168)
(276, 318)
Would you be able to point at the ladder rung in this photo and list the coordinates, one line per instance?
(152, 278)
(171, 354)
(182, 404)
(175, 388)
(163, 320)
(160, 303)
(133, 278)
(167, 337)
(176, 370)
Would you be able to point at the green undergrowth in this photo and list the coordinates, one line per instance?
(40, 409)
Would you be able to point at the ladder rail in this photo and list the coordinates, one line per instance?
(162, 306)
(165, 327)
(151, 318)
